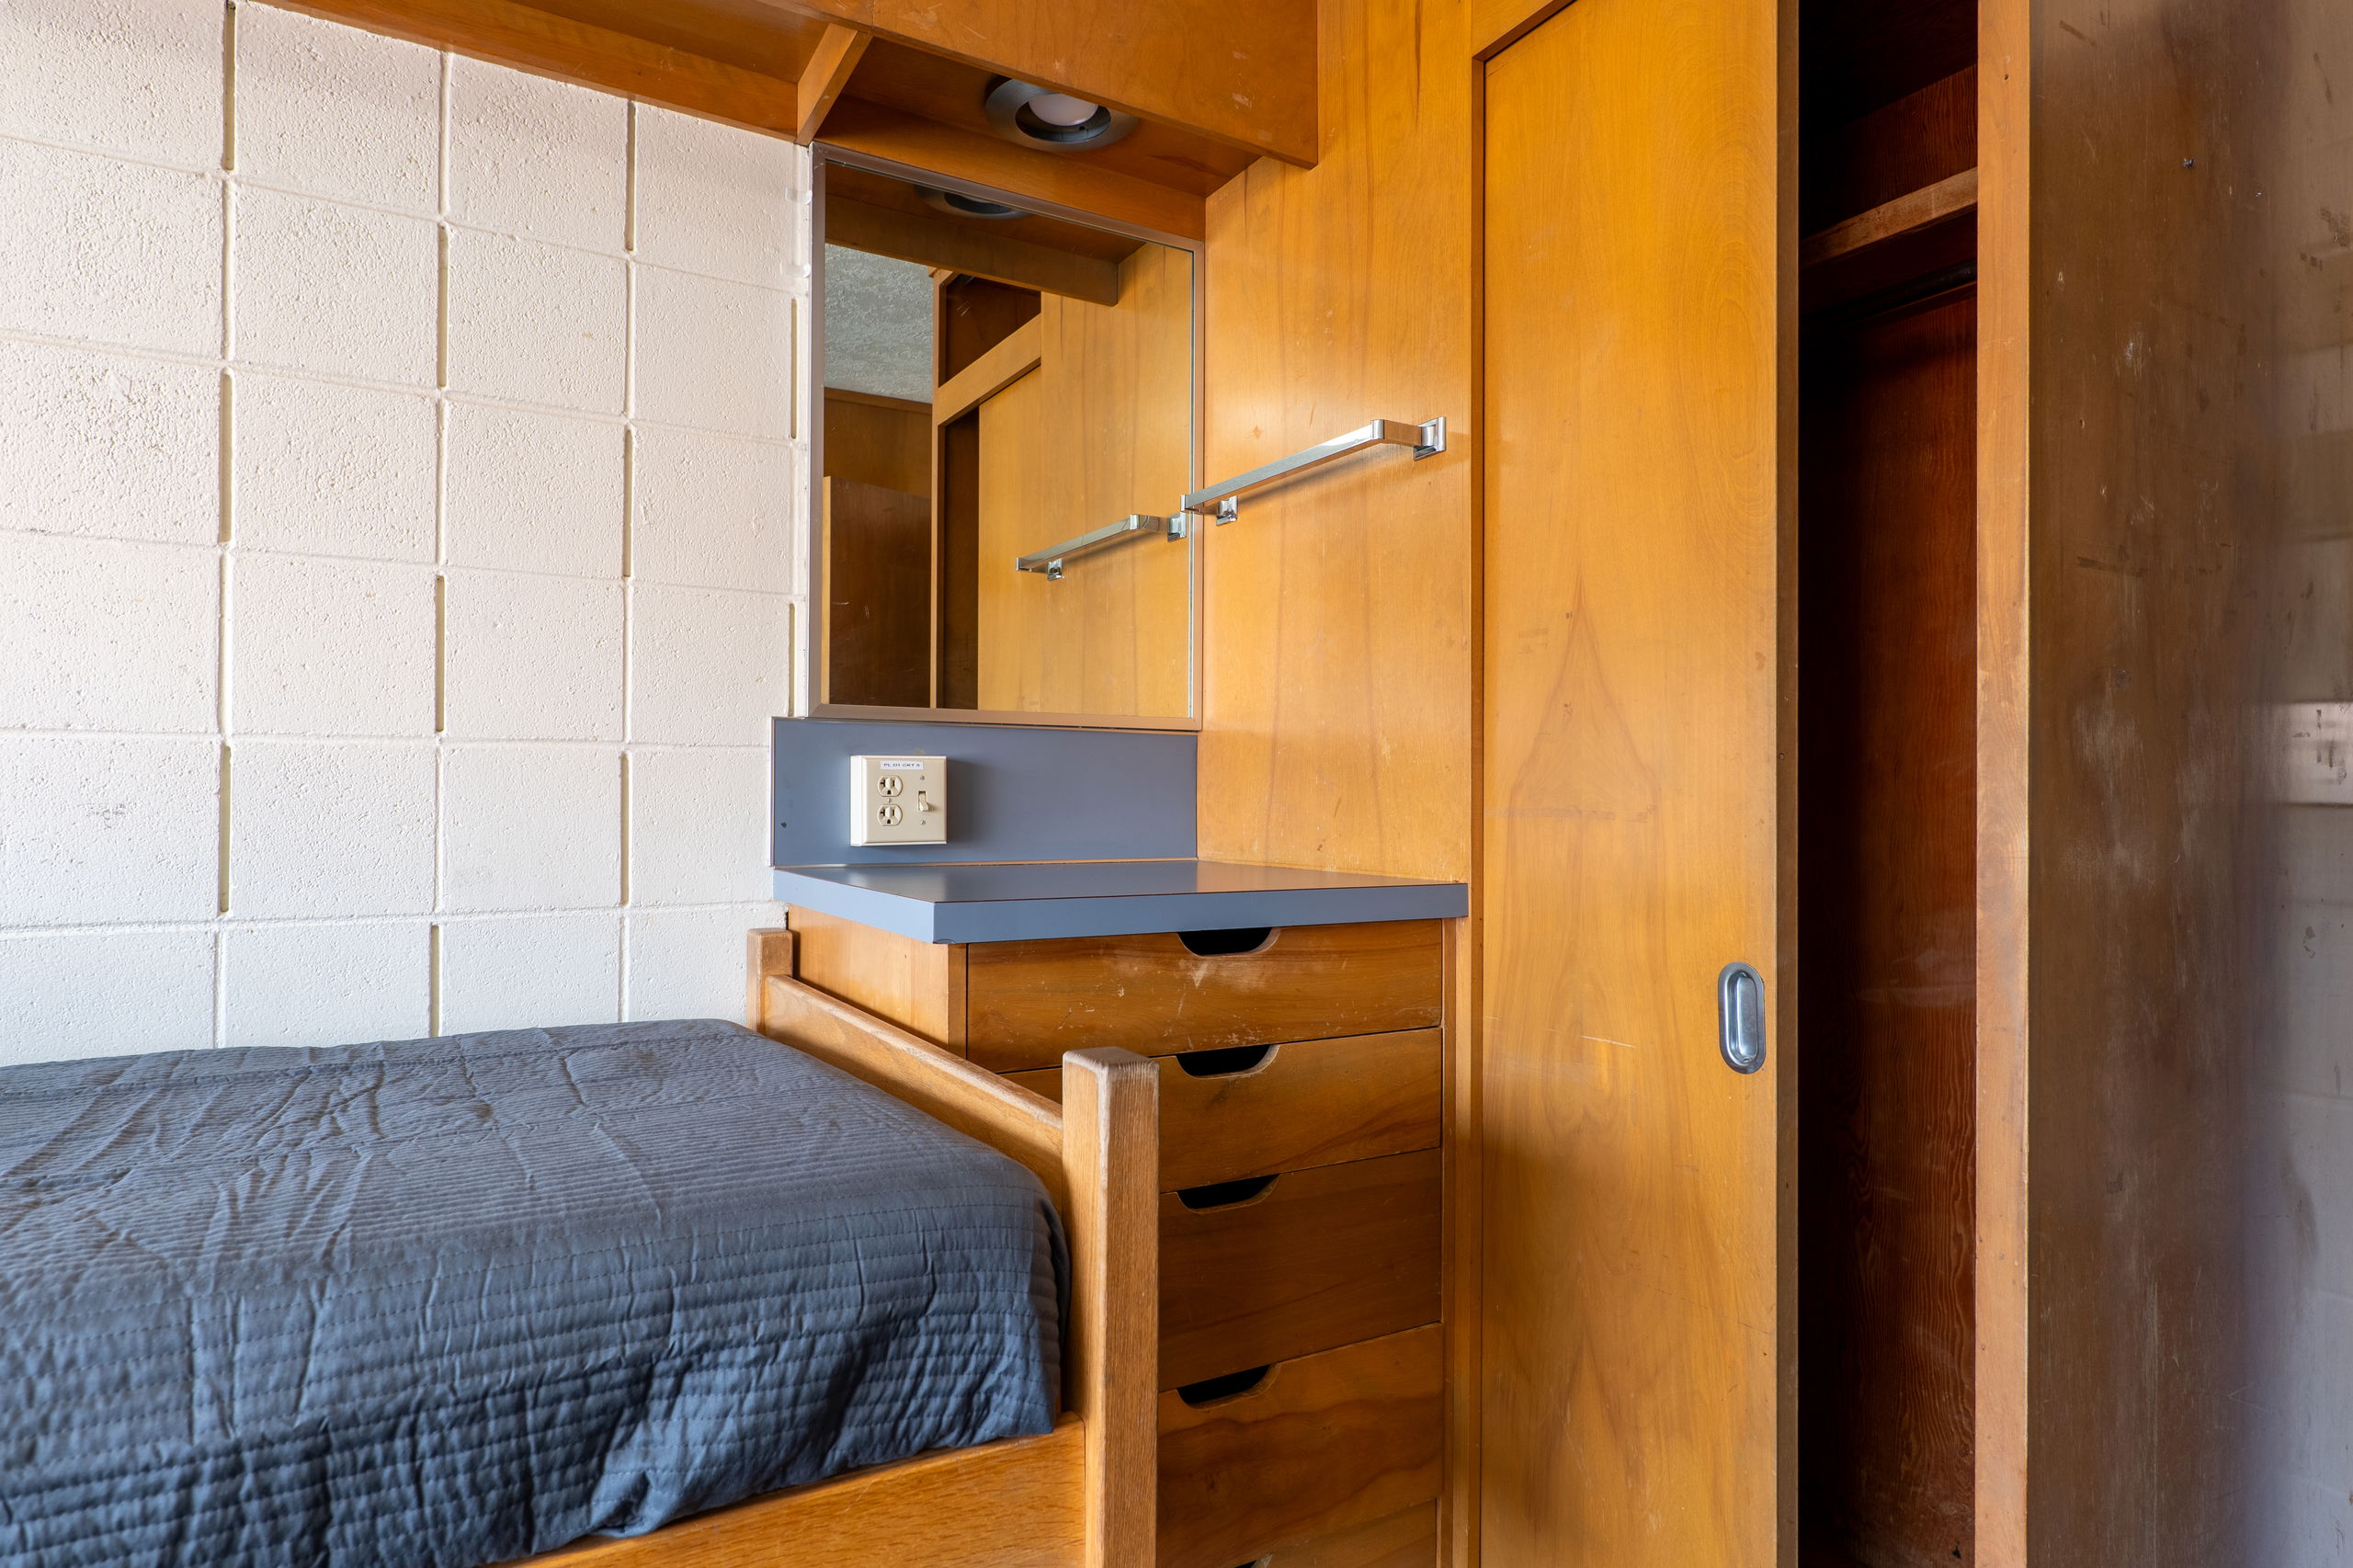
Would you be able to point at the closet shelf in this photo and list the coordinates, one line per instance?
(1907, 214)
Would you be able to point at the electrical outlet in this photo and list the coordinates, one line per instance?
(898, 800)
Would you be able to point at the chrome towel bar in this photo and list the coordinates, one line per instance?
(1050, 560)
(1428, 439)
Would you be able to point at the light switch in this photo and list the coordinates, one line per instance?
(898, 800)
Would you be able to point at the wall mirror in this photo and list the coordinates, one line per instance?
(1006, 432)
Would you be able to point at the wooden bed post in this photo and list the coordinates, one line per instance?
(1111, 1158)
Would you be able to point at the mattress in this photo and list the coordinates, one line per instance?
(451, 1302)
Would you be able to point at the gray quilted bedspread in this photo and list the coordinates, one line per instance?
(451, 1302)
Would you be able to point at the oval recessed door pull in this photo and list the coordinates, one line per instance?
(1740, 1017)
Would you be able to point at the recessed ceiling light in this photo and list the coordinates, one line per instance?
(964, 206)
(1058, 122)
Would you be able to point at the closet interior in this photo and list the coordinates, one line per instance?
(1887, 749)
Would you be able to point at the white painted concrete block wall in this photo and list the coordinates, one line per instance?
(400, 511)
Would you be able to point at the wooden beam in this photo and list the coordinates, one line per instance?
(548, 45)
(1907, 214)
(967, 247)
(1240, 73)
(990, 374)
(827, 74)
(1066, 181)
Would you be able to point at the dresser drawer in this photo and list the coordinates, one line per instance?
(1252, 1110)
(1026, 1003)
(1315, 1259)
(1315, 1463)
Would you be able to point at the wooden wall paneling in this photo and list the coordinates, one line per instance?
(2131, 511)
(883, 441)
(1338, 721)
(1887, 759)
(956, 582)
(1908, 145)
(1102, 429)
(1243, 74)
(917, 986)
(885, 132)
(876, 635)
(975, 315)
(1637, 1283)
(989, 374)
(615, 58)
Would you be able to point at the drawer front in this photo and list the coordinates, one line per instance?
(1402, 1540)
(1313, 1102)
(1321, 1258)
(1026, 1003)
(1321, 1457)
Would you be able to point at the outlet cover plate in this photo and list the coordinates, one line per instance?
(898, 800)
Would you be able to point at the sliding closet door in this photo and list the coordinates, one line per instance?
(1637, 1323)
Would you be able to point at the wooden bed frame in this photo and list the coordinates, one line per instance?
(1081, 1496)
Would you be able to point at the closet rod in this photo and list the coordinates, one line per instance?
(1428, 439)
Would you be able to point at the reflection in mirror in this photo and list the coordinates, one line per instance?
(998, 382)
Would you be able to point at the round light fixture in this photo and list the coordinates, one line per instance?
(956, 204)
(1041, 117)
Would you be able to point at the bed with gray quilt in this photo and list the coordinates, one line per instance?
(451, 1302)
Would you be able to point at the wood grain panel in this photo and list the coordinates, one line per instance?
(822, 79)
(1326, 1444)
(2138, 424)
(1017, 1504)
(1908, 145)
(1408, 1540)
(878, 580)
(917, 986)
(1637, 1296)
(1239, 73)
(1031, 1001)
(989, 372)
(1337, 724)
(882, 441)
(1887, 763)
(1323, 1257)
(1100, 430)
(1319, 1102)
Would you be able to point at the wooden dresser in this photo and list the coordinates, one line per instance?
(1300, 1069)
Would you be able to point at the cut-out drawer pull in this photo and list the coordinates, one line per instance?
(1225, 1062)
(1225, 943)
(1226, 1194)
(1231, 1386)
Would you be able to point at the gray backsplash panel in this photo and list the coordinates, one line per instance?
(1015, 791)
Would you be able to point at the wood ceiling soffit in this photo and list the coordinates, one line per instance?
(547, 44)
(1243, 76)
(826, 75)
(943, 242)
(870, 127)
